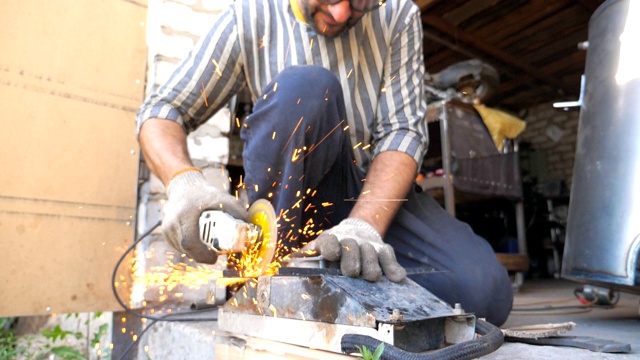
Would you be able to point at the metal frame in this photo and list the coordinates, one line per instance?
(446, 182)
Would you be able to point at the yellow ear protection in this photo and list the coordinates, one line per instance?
(297, 12)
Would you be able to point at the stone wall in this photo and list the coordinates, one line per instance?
(174, 27)
(552, 134)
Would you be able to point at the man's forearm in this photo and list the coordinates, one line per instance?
(385, 189)
(164, 146)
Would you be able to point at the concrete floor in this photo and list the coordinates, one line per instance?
(620, 323)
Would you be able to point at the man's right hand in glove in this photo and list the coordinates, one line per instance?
(189, 194)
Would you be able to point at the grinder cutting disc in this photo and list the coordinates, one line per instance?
(261, 253)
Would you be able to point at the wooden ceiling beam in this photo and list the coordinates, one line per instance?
(520, 19)
(425, 4)
(467, 10)
(496, 53)
(589, 5)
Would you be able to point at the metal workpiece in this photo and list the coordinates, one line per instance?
(217, 292)
(338, 299)
(317, 310)
(603, 231)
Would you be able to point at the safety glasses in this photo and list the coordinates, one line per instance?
(358, 5)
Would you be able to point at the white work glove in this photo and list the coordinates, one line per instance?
(189, 194)
(360, 250)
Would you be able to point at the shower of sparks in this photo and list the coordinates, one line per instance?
(375, 200)
(169, 276)
(299, 224)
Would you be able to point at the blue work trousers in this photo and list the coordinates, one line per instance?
(298, 155)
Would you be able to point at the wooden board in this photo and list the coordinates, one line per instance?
(71, 79)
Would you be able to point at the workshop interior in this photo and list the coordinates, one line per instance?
(533, 110)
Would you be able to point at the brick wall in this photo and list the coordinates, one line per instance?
(173, 28)
(553, 133)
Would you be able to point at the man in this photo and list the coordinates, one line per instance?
(334, 141)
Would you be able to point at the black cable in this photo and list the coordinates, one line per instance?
(126, 351)
(554, 310)
(154, 319)
(491, 339)
(585, 306)
(143, 316)
(163, 318)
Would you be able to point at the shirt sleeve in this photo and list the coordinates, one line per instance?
(400, 122)
(203, 82)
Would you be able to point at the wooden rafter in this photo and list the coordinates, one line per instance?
(425, 4)
(478, 45)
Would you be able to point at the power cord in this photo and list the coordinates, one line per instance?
(126, 351)
(585, 306)
(180, 315)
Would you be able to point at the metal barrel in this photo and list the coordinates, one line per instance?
(603, 228)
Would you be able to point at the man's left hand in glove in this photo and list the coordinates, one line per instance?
(360, 249)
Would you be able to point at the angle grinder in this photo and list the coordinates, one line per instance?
(256, 239)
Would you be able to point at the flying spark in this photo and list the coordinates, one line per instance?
(215, 63)
(292, 133)
(204, 97)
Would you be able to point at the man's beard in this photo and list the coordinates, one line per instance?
(306, 10)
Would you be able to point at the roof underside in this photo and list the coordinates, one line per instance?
(532, 43)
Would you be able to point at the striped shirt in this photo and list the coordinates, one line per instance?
(378, 61)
